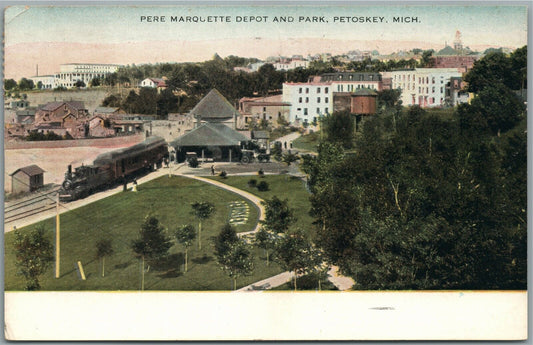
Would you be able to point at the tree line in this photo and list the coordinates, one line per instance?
(426, 202)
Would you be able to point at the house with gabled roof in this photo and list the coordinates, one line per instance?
(155, 83)
(215, 108)
(61, 117)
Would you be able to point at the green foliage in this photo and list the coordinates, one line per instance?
(237, 261)
(79, 83)
(266, 240)
(252, 183)
(427, 203)
(262, 186)
(496, 68)
(104, 247)
(185, 235)
(34, 254)
(289, 158)
(278, 215)
(293, 253)
(276, 150)
(95, 82)
(10, 84)
(113, 100)
(202, 210)
(224, 241)
(153, 243)
(427, 59)
(339, 128)
(26, 84)
(495, 108)
(38, 136)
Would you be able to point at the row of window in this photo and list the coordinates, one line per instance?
(352, 87)
(421, 80)
(318, 111)
(421, 89)
(326, 90)
(300, 100)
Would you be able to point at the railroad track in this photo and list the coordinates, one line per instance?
(27, 207)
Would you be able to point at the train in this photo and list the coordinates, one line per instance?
(113, 167)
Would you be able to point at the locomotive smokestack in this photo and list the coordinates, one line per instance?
(69, 169)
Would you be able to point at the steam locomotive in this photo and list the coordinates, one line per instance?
(113, 167)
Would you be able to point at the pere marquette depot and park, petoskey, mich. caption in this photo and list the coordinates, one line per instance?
(276, 19)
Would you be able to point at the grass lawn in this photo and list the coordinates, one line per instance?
(308, 142)
(282, 186)
(119, 218)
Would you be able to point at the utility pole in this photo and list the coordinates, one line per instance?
(57, 237)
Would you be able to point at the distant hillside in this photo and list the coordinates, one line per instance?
(91, 98)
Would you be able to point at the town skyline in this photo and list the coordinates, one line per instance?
(123, 37)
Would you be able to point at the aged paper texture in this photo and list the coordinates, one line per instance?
(253, 172)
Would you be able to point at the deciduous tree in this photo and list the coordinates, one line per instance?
(104, 248)
(185, 235)
(34, 254)
(202, 210)
(237, 261)
(152, 244)
(278, 215)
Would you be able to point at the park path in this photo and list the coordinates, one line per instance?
(289, 138)
(341, 282)
(257, 201)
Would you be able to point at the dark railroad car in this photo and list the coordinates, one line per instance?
(112, 167)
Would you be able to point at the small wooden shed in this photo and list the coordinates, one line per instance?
(27, 179)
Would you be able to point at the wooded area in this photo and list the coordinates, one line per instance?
(427, 202)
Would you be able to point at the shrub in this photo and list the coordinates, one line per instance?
(252, 183)
(262, 186)
(223, 174)
(193, 162)
(261, 173)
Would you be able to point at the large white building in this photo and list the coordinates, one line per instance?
(308, 100)
(70, 73)
(312, 99)
(425, 87)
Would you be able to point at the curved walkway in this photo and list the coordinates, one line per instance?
(257, 201)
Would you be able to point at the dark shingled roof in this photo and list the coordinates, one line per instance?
(365, 92)
(210, 134)
(214, 105)
(54, 105)
(30, 170)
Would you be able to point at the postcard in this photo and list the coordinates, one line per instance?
(265, 172)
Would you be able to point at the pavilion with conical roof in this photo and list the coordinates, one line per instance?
(215, 108)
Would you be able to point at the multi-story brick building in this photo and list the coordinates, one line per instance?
(264, 108)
